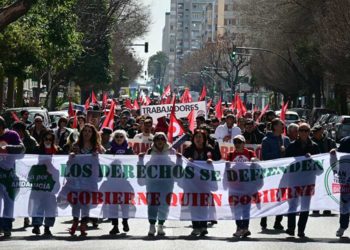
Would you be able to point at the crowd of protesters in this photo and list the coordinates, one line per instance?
(32, 137)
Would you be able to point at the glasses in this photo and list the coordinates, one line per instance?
(304, 130)
(119, 137)
(237, 142)
(48, 139)
(159, 139)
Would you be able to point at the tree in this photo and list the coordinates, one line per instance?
(157, 66)
(13, 11)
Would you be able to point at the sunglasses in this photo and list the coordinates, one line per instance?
(159, 139)
(48, 139)
(237, 142)
(38, 121)
(118, 137)
(304, 130)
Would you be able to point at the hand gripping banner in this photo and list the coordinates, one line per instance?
(170, 187)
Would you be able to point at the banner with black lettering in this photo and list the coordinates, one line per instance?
(170, 187)
(181, 110)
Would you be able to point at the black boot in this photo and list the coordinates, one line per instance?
(125, 225)
(47, 231)
(36, 230)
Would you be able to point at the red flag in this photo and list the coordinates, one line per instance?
(266, 108)
(87, 103)
(167, 92)
(168, 100)
(128, 104)
(136, 105)
(186, 96)
(93, 98)
(283, 114)
(255, 108)
(203, 93)
(241, 108)
(175, 129)
(209, 104)
(171, 100)
(148, 101)
(70, 109)
(14, 116)
(75, 120)
(109, 121)
(218, 109)
(191, 121)
(104, 100)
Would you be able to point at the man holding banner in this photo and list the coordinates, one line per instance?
(303, 146)
(273, 147)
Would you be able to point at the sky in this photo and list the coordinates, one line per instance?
(154, 36)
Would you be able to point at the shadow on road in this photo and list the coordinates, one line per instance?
(123, 236)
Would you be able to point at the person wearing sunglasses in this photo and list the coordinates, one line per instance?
(303, 146)
(44, 203)
(241, 154)
(119, 146)
(38, 128)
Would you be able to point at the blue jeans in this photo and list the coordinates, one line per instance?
(48, 221)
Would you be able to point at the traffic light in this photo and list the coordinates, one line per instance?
(233, 55)
(146, 47)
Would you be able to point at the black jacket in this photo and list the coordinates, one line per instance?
(296, 148)
(254, 137)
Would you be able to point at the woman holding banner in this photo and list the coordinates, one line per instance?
(44, 203)
(89, 142)
(200, 150)
(119, 146)
(159, 151)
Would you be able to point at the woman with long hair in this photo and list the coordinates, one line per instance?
(200, 150)
(89, 142)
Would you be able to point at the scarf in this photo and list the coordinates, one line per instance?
(118, 149)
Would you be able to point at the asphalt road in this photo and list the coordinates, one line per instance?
(320, 232)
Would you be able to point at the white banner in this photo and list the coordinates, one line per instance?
(181, 109)
(170, 187)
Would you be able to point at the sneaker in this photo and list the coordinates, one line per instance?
(36, 230)
(160, 229)
(340, 232)
(152, 230)
(203, 231)
(290, 232)
(278, 226)
(125, 226)
(245, 233)
(196, 232)
(47, 231)
(26, 222)
(114, 231)
(238, 233)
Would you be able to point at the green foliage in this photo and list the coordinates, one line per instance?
(157, 64)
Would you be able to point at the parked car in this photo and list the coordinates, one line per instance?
(291, 116)
(316, 113)
(342, 128)
(32, 111)
(303, 113)
(56, 115)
